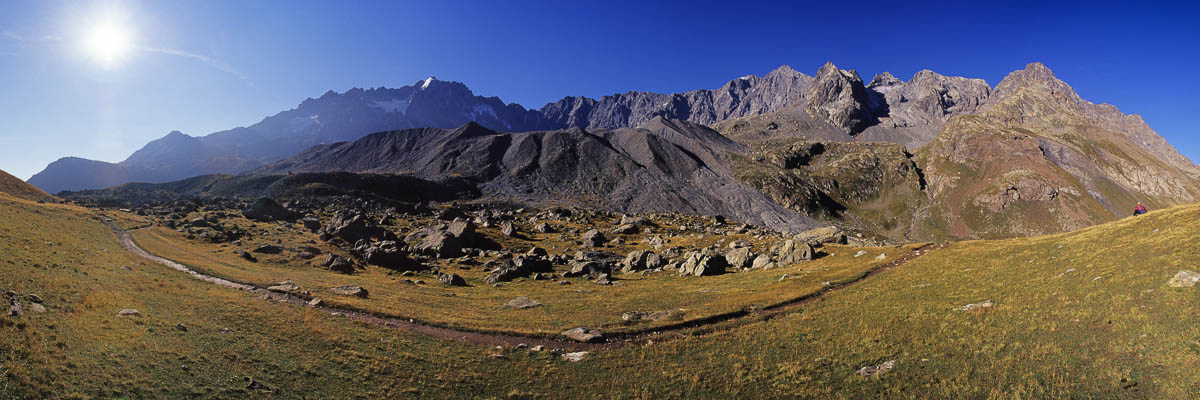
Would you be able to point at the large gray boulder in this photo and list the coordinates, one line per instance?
(265, 209)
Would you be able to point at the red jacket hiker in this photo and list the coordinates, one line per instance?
(1139, 210)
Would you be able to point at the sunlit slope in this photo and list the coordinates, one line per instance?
(80, 348)
(18, 188)
(1078, 315)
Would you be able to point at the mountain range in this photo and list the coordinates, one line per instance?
(931, 157)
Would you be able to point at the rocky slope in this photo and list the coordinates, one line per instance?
(1039, 159)
(662, 166)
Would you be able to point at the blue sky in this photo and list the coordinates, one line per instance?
(204, 66)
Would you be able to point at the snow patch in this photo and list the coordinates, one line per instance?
(428, 80)
(300, 123)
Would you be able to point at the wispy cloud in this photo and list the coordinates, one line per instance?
(217, 64)
(17, 37)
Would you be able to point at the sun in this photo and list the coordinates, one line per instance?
(109, 43)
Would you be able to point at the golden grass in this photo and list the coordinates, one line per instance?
(480, 307)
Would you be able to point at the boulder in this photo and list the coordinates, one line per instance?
(268, 249)
(635, 221)
(763, 261)
(543, 227)
(522, 303)
(701, 264)
(266, 209)
(356, 291)
(452, 280)
(588, 268)
(1185, 278)
(129, 312)
(248, 257)
(440, 245)
(880, 369)
(465, 232)
(740, 258)
(829, 234)
(640, 260)
(576, 356)
(284, 287)
(37, 308)
(795, 251)
(519, 267)
(388, 254)
(585, 335)
(593, 238)
(337, 263)
(627, 229)
(508, 229)
(312, 224)
(352, 227)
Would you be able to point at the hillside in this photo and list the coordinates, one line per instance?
(663, 166)
(17, 188)
(1003, 318)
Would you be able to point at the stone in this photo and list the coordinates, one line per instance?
(976, 306)
(35, 298)
(268, 249)
(312, 224)
(537, 348)
(284, 287)
(315, 302)
(440, 245)
(575, 356)
(1185, 278)
(37, 308)
(266, 209)
(881, 257)
(593, 238)
(507, 229)
(355, 291)
(872, 370)
(860, 253)
(585, 335)
(627, 229)
(543, 227)
(829, 234)
(248, 257)
(338, 263)
(15, 310)
(129, 312)
(522, 303)
(388, 254)
(740, 258)
(701, 264)
(763, 261)
(640, 260)
(181, 327)
(452, 280)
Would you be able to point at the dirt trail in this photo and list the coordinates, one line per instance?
(710, 324)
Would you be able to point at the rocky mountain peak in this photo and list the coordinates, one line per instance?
(1035, 76)
(884, 80)
(839, 98)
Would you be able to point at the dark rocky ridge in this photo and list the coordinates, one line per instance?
(663, 166)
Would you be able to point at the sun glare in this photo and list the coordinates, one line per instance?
(109, 43)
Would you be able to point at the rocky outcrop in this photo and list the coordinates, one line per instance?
(839, 98)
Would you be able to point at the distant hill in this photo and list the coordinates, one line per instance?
(15, 186)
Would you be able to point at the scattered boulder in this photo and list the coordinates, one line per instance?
(387, 254)
(352, 227)
(519, 267)
(268, 249)
(440, 245)
(284, 287)
(181, 327)
(1185, 278)
(860, 253)
(266, 209)
(585, 335)
(15, 310)
(315, 302)
(575, 356)
(829, 234)
(452, 280)
(627, 229)
(129, 312)
(508, 229)
(640, 260)
(593, 268)
(740, 258)
(37, 308)
(763, 261)
(872, 370)
(593, 238)
(976, 306)
(248, 257)
(792, 251)
(355, 291)
(338, 263)
(522, 303)
(701, 264)
(312, 224)
(543, 227)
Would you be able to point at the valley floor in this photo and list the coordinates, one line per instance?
(1085, 314)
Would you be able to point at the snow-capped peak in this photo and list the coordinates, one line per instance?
(427, 81)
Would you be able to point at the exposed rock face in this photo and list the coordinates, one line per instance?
(1038, 159)
(686, 164)
(839, 98)
(701, 264)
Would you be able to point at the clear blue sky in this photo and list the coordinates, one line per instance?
(204, 66)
